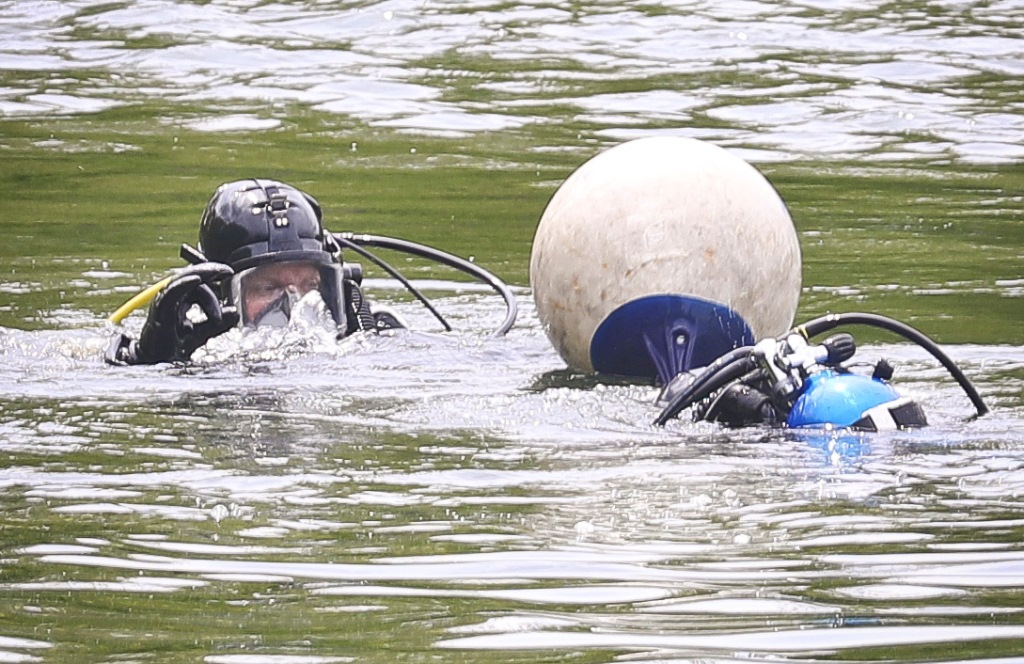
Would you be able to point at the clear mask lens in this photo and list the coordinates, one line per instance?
(284, 294)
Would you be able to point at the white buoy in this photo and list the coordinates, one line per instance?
(663, 216)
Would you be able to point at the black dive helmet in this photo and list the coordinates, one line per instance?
(250, 223)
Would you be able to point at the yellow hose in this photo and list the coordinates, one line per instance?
(139, 300)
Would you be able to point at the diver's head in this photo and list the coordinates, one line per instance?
(272, 236)
(251, 222)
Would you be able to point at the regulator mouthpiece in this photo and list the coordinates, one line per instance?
(279, 312)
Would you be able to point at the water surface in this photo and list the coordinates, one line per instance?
(454, 497)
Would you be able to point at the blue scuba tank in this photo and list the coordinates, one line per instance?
(840, 399)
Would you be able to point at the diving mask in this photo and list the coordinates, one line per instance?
(274, 294)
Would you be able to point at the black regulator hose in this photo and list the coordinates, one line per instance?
(722, 371)
(382, 264)
(831, 321)
(357, 242)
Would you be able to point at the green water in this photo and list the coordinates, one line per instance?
(133, 209)
(954, 231)
(453, 498)
(949, 239)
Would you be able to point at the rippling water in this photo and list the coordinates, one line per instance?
(876, 80)
(453, 497)
(434, 494)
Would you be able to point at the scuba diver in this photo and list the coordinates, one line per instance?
(265, 259)
(788, 381)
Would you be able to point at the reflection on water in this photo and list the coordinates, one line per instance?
(435, 482)
(463, 498)
(877, 80)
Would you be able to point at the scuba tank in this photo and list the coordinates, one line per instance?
(788, 381)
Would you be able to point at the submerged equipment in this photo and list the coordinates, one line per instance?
(788, 381)
(262, 248)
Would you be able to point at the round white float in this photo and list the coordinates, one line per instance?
(662, 216)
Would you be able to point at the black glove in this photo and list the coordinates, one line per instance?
(168, 335)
